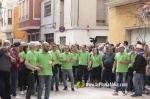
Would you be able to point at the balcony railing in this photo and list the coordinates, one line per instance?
(114, 3)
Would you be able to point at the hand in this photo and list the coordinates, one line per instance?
(8, 54)
(53, 63)
(38, 69)
(134, 73)
(41, 67)
(103, 68)
(121, 62)
(113, 70)
(67, 60)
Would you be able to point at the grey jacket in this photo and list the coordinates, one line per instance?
(5, 61)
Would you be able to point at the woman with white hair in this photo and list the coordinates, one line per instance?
(31, 66)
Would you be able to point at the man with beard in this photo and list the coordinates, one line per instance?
(45, 61)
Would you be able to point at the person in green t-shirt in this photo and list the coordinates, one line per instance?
(97, 65)
(67, 59)
(56, 53)
(121, 62)
(45, 61)
(84, 57)
(132, 55)
(31, 66)
(75, 64)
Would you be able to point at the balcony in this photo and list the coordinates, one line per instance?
(7, 28)
(114, 3)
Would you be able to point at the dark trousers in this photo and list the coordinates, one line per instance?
(75, 72)
(107, 76)
(31, 82)
(148, 80)
(96, 73)
(22, 80)
(82, 70)
(5, 85)
(14, 82)
(129, 79)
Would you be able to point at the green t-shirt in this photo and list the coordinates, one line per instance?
(67, 65)
(122, 57)
(132, 57)
(55, 57)
(43, 60)
(83, 58)
(22, 55)
(76, 57)
(96, 60)
(32, 59)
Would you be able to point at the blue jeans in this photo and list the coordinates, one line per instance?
(75, 71)
(138, 83)
(56, 78)
(47, 81)
(120, 79)
(14, 82)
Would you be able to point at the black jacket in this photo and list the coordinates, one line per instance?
(140, 64)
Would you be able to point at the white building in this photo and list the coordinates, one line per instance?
(7, 19)
(48, 18)
(75, 16)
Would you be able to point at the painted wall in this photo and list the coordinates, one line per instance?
(119, 18)
(17, 33)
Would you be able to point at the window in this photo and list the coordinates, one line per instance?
(49, 37)
(47, 9)
(10, 17)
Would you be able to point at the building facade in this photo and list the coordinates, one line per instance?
(82, 19)
(125, 22)
(48, 20)
(29, 18)
(7, 19)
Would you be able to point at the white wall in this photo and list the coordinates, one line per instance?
(81, 36)
(135, 36)
(47, 22)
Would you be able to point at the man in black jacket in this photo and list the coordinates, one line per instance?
(6, 58)
(139, 71)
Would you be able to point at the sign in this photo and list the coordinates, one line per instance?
(62, 29)
(88, 28)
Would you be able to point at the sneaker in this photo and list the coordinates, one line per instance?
(115, 93)
(124, 94)
(15, 97)
(134, 95)
(21, 92)
(57, 89)
(34, 94)
(72, 89)
(147, 87)
(83, 85)
(65, 88)
(78, 84)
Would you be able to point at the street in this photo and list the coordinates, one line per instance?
(89, 93)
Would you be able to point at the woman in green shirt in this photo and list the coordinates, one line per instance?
(96, 63)
(76, 63)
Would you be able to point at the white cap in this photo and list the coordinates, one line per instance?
(121, 45)
(37, 43)
(139, 46)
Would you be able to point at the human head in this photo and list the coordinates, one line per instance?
(139, 47)
(95, 51)
(31, 46)
(121, 47)
(54, 47)
(7, 43)
(66, 48)
(16, 46)
(125, 43)
(45, 46)
(131, 47)
(83, 47)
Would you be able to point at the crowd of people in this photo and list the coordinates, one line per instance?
(39, 65)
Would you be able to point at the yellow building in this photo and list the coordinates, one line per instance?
(21, 35)
(124, 22)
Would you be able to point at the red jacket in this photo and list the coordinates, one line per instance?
(16, 66)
